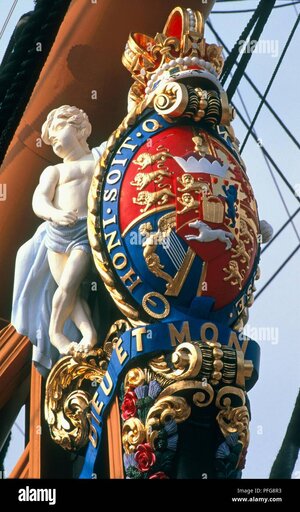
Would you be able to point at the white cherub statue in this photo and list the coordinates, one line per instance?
(60, 247)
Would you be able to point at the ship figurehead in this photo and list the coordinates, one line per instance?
(174, 230)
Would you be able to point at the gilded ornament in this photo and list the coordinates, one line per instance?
(66, 405)
(201, 398)
(133, 434)
(236, 419)
(234, 274)
(168, 408)
(135, 377)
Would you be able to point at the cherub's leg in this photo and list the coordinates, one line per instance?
(81, 314)
(72, 271)
(82, 318)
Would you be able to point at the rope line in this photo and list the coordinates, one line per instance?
(271, 81)
(22, 67)
(233, 55)
(255, 88)
(270, 169)
(263, 16)
(240, 11)
(290, 187)
(14, 5)
(277, 272)
(280, 230)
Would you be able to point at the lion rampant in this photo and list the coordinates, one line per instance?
(234, 275)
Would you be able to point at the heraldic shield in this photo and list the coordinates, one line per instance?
(180, 215)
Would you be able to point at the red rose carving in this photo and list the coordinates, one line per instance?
(145, 457)
(160, 475)
(128, 406)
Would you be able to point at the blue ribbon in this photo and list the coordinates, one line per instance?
(134, 344)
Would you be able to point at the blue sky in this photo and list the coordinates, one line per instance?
(277, 309)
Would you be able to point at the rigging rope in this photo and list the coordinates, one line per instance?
(265, 7)
(291, 188)
(250, 81)
(270, 168)
(271, 81)
(277, 272)
(14, 5)
(240, 11)
(232, 57)
(255, 136)
(22, 68)
(281, 229)
(291, 217)
(289, 220)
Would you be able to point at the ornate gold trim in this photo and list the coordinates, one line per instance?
(181, 44)
(233, 419)
(70, 387)
(66, 405)
(165, 409)
(133, 434)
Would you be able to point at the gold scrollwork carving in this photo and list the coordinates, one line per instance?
(171, 100)
(229, 393)
(202, 398)
(233, 419)
(135, 377)
(187, 361)
(217, 364)
(118, 328)
(165, 409)
(66, 405)
(133, 434)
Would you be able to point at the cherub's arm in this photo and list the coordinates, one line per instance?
(42, 201)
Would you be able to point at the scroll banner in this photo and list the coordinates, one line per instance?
(150, 341)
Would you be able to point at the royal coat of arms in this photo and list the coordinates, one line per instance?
(175, 233)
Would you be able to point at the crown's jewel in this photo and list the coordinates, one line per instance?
(180, 47)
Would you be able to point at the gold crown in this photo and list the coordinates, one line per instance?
(181, 46)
